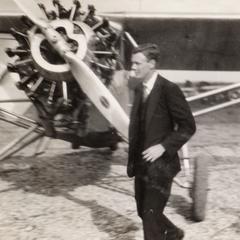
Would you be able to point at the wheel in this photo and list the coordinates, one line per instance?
(200, 187)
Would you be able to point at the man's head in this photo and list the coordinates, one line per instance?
(144, 59)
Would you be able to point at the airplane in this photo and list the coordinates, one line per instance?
(72, 65)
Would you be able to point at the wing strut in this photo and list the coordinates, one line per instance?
(20, 143)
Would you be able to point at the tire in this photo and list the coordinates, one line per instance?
(200, 188)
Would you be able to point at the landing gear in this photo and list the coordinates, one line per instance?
(196, 180)
(200, 188)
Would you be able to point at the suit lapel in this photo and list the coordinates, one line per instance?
(137, 102)
(153, 100)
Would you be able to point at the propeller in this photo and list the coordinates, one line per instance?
(86, 78)
(33, 12)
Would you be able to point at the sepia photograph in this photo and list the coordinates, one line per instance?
(119, 120)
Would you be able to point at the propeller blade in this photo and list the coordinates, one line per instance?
(99, 95)
(88, 81)
(32, 10)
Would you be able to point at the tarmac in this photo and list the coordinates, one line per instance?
(85, 194)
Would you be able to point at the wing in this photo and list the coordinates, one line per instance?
(187, 41)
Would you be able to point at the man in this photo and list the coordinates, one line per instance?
(161, 122)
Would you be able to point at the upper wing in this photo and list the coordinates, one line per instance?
(186, 41)
(207, 42)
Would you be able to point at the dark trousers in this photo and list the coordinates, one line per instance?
(151, 200)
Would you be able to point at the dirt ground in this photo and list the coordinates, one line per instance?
(85, 194)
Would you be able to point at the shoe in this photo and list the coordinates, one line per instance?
(177, 234)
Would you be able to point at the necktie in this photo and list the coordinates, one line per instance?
(145, 93)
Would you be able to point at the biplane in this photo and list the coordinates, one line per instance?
(70, 67)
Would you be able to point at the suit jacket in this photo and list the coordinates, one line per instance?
(168, 121)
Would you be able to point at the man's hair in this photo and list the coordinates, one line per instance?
(150, 51)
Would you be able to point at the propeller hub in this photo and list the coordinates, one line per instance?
(48, 49)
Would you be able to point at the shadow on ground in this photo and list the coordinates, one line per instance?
(50, 175)
(117, 226)
(181, 205)
(61, 174)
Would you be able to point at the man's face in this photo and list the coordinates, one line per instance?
(141, 67)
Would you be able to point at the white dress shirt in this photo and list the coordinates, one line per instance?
(148, 86)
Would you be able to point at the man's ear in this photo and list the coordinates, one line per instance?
(152, 63)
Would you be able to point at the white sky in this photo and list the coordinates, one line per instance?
(164, 6)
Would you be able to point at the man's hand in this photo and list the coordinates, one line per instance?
(153, 153)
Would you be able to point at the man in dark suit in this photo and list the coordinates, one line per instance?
(161, 122)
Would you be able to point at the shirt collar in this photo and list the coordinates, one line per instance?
(150, 83)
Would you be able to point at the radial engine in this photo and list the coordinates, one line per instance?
(45, 77)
